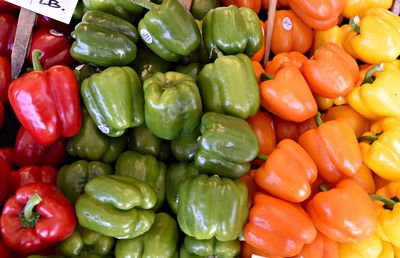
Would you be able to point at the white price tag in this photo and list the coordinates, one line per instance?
(60, 10)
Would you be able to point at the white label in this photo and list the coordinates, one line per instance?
(146, 36)
(56, 33)
(60, 10)
(256, 256)
(104, 128)
(287, 23)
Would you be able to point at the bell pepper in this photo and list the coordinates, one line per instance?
(37, 217)
(125, 10)
(357, 7)
(321, 247)
(259, 55)
(378, 95)
(277, 227)
(334, 148)
(229, 86)
(185, 146)
(5, 251)
(253, 5)
(6, 7)
(291, 130)
(331, 72)
(172, 104)
(85, 243)
(5, 78)
(192, 69)
(226, 146)
(212, 247)
(232, 30)
(212, 207)
(380, 148)
(32, 174)
(281, 4)
(249, 180)
(371, 247)
(91, 144)
(44, 22)
(71, 179)
(200, 8)
(114, 99)
(365, 179)
(54, 46)
(169, 38)
(7, 154)
(200, 55)
(345, 213)
(28, 152)
(140, 139)
(176, 174)
(5, 182)
(378, 36)
(319, 15)
(184, 253)
(1, 114)
(116, 206)
(326, 103)
(288, 96)
(263, 126)
(290, 33)
(54, 107)
(333, 34)
(160, 241)
(104, 39)
(248, 251)
(8, 24)
(281, 60)
(288, 181)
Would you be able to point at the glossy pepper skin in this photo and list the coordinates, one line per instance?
(285, 129)
(48, 215)
(114, 99)
(32, 174)
(91, 144)
(277, 227)
(253, 5)
(246, 36)
(263, 126)
(169, 38)
(332, 72)
(5, 78)
(212, 247)
(185, 146)
(370, 247)
(8, 24)
(280, 60)
(226, 146)
(71, 178)
(220, 210)
(357, 7)
(229, 86)
(146, 168)
(321, 247)
(345, 213)
(172, 104)
(160, 241)
(200, 8)
(104, 39)
(120, 8)
(116, 206)
(54, 107)
(5, 183)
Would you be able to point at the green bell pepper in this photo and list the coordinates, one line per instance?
(89, 143)
(146, 168)
(200, 55)
(229, 86)
(212, 247)
(172, 104)
(121, 8)
(160, 241)
(78, 12)
(232, 30)
(116, 206)
(114, 99)
(104, 39)
(226, 146)
(185, 146)
(85, 241)
(176, 174)
(212, 207)
(140, 139)
(71, 179)
(192, 69)
(184, 253)
(201, 7)
(168, 29)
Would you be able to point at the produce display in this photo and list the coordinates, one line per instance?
(174, 128)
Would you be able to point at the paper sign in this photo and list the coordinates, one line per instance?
(60, 10)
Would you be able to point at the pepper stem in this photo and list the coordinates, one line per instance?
(266, 77)
(146, 4)
(323, 187)
(29, 216)
(216, 51)
(369, 76)
(389, 203)
(368, 138)
(355, 23)
(318, 119)
(262, 157)
(37, 66)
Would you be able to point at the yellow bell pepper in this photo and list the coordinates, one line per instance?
(326, 103)
(359, 7)
(333, 34)
(370, 247)
(383, 155)
(380, 97)
(379, 36)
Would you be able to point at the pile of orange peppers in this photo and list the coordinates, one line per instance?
(327, 182)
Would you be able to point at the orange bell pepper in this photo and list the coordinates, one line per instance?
(318, 14)
(334, 148)
(290, 181)
(332, 72)
(255, 5)
(263, 127)
(291, 130)
(277, 227)
(364, 177)
(288, 96)
(290, 33)
(247, 251)
(259, 55)
(282, 59)
(345, 214)
(252, 187)
(280, 4)
(321, 247)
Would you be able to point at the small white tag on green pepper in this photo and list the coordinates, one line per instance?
(146, 36)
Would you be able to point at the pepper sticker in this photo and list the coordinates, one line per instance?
(146, 36)
(287, 23)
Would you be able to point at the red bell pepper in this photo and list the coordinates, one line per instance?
(32, 174)
(8, 25)
(7, 154)
(47, 102)
(36, 218)
(291, 130)
(7, 252)
(6, 7)
(5, 78)
(4, 181)
(29, 152)
(1, 114)
(54, 46)
(44, 22)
